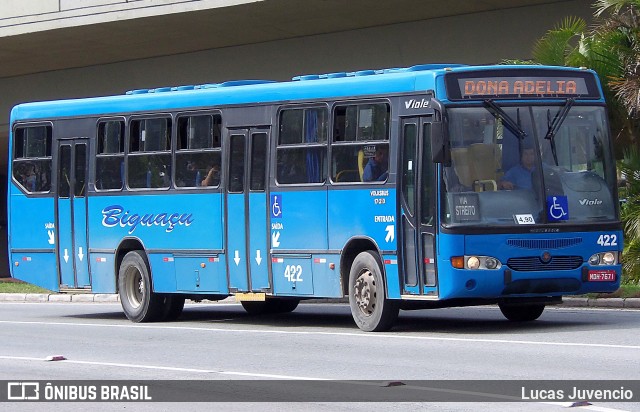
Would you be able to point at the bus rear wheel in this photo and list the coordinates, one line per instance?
(370, 308)
(521, 313)
(139, 302)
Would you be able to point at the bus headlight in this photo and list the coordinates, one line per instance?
(473, 262)
(491, 263)
(608, 258)
(604, 259)
(481, 262)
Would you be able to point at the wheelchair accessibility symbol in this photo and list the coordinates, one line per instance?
(276, 206)
(557, 208)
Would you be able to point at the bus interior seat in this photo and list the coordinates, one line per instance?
(462, 165)
(485, 165)
(362, 161)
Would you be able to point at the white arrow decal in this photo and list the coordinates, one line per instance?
(275, 236)
(258, 257)
(80, 254)
(390, 234)
(66, 256)
(52, 237)
(237, 258)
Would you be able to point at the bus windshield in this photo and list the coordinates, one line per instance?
(529, 165)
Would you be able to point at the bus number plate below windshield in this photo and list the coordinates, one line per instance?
(602, 275)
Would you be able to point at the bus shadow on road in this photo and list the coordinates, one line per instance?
(476, 321)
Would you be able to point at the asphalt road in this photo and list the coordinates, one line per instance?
(317, 341)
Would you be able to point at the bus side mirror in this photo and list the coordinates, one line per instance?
(440, 148)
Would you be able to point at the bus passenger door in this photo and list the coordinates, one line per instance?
(71, 214)
(418, 205)
(246, 210)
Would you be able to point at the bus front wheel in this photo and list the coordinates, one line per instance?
(139, 302)
(370, 308)
(521, 313)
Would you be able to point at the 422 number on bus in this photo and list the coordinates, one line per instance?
(293, 273)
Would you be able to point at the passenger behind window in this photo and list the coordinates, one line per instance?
(377, 166)
(213, 176)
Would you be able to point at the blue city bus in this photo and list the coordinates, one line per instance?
(408, 188)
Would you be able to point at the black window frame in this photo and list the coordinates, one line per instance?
(47, 159)
(367, 145)
(215, 149)
(130, 155)
(322, 146)
(110, 156)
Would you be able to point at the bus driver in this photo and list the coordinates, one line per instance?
(519, 176)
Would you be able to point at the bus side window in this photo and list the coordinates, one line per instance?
(149, 159)
(198, 152)
(302, 146)
(32, 158)
(360, 145)
(110, 155)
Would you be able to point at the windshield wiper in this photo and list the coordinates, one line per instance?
(497, 112)
(559, 119)
(554, 126)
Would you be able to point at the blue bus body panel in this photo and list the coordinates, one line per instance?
(301, 224)
(103, 272)
(363, 213)
(32, 239)
(292, 275)
(169, 227)
(465, 283)
(177, 222)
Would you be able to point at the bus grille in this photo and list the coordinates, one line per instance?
(544, 243)
(533, 263)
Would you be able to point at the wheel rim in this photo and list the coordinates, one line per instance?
(135, 287)
(365, 292)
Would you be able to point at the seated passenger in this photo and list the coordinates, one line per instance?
(519, 176)
(377, 166)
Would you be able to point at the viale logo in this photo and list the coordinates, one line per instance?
(416, 104)
(589, 202)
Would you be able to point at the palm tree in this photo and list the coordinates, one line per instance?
(630, 168)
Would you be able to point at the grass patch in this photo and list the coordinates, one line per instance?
(10, 285)
(625, 291)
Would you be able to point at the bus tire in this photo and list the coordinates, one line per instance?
(370, 308)
(521, 313)
(172, 307)
(139, 302)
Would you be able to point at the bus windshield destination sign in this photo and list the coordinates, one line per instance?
(507, 85)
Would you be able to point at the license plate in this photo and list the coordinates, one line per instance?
(602, 275)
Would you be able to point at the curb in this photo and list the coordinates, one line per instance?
(568, 302)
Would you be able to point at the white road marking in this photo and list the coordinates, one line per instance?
(319, 333)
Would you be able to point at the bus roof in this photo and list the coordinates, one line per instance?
(306, 87)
